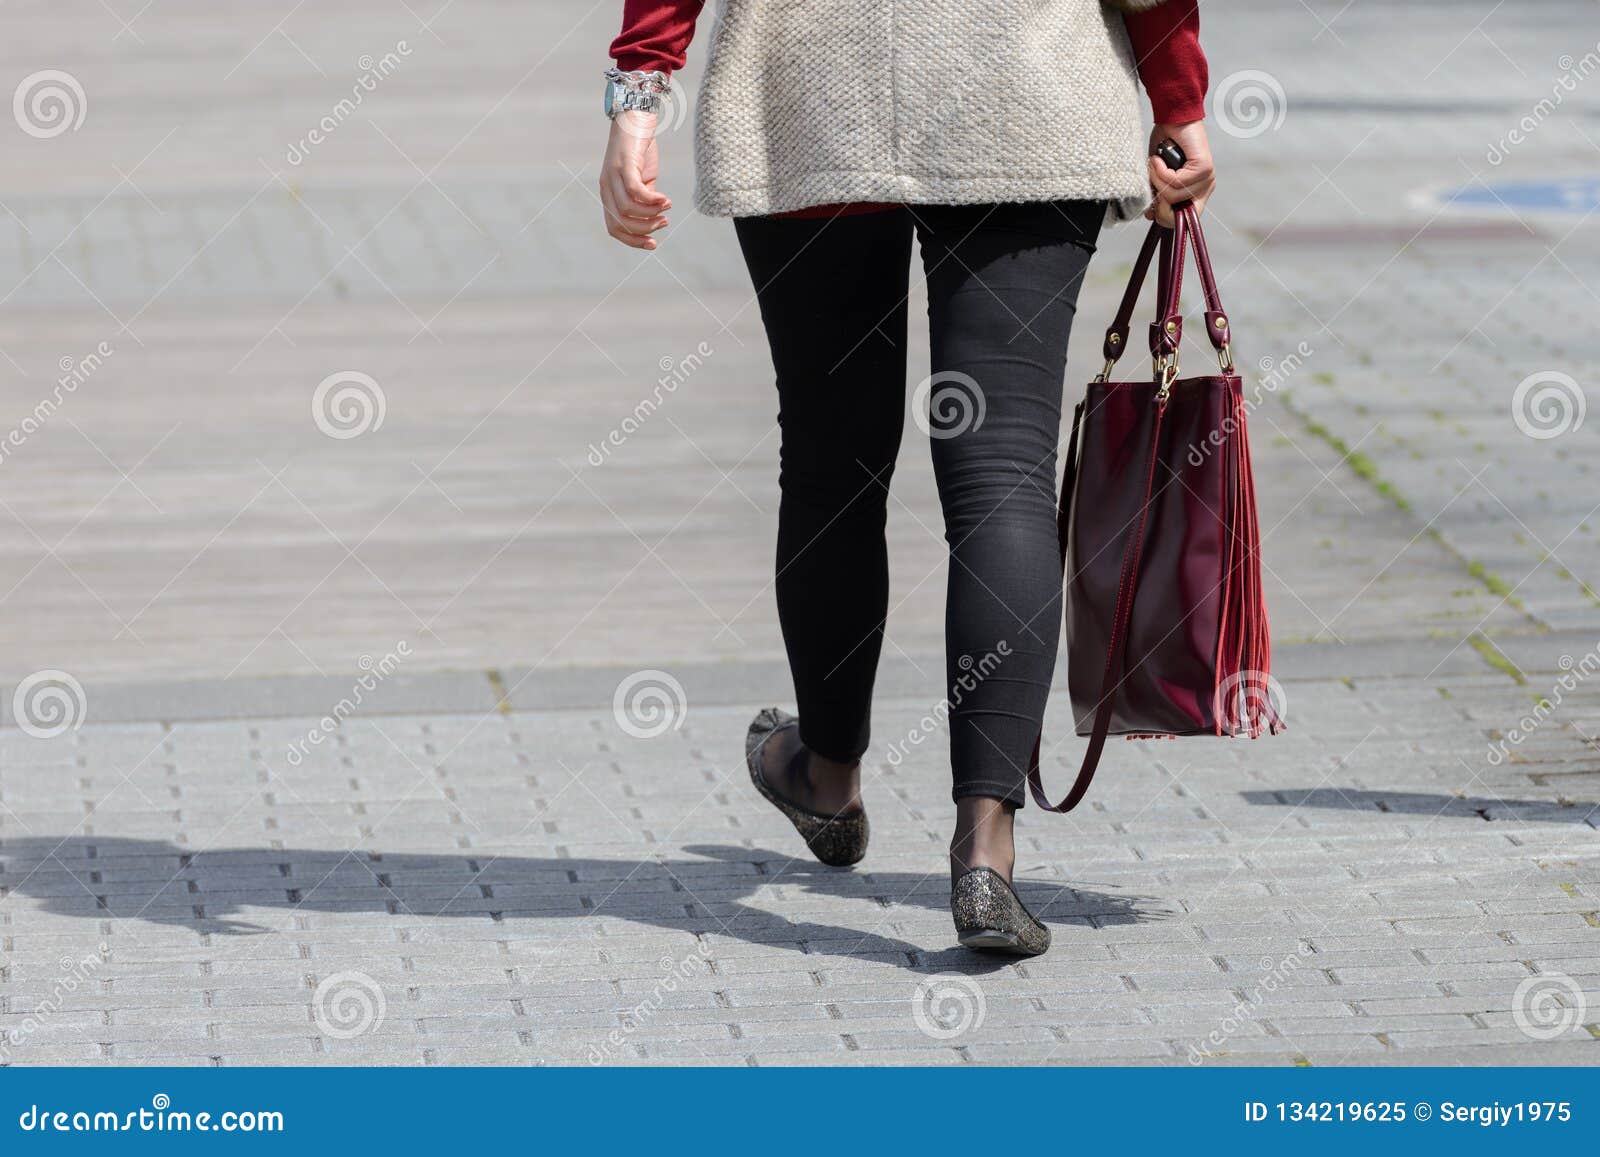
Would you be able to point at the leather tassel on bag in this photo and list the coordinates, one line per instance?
(1160, 538)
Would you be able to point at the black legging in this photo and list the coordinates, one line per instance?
(1003, 284)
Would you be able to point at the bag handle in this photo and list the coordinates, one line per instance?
(1218, 331)
(1166, 332)
(1117, 334)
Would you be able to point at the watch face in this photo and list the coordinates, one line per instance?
(611, 98)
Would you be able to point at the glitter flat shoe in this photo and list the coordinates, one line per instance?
(989, 916)
(837, 840)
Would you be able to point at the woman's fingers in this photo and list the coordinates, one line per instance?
(626, 204)
(628, 220)
(1173, 186)
(639, 192)
(630, 230)
(1194, 182)
(633, 201)
(633, 197)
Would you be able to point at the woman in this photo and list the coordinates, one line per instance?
(1000, 135)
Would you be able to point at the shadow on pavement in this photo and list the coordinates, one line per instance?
(111, 877)
(1430, 804)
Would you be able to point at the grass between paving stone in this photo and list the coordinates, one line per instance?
(1496, 658)
(1367, 470)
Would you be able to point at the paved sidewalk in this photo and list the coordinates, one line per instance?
(541, 886)
(505, 854)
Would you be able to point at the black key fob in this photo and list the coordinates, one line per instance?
(1171, 155)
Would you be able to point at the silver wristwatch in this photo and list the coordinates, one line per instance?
(635, 91)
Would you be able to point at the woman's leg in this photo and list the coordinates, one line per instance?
(833, 300)
(1003, 284)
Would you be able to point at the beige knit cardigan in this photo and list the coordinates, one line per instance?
(814, 102)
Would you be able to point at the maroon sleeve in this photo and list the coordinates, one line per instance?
(655, 34)
(1166, 44)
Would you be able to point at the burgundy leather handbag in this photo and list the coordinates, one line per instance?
(1160, 545)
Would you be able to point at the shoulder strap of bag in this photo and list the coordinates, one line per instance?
(1127, 584)
(1172, 243)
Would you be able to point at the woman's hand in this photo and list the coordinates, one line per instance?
(1193, 182)
(634, 207)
